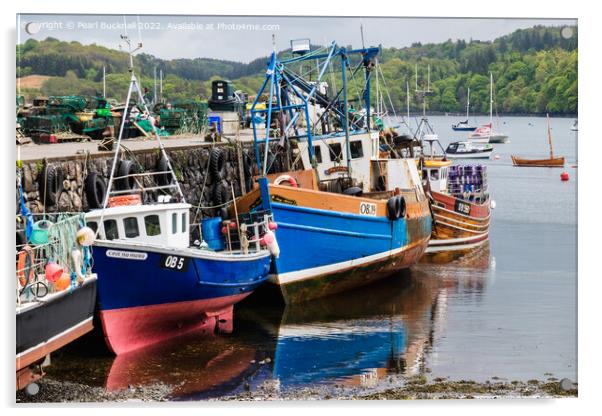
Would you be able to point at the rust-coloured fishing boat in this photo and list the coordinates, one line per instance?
(461, 209)
(551, 162)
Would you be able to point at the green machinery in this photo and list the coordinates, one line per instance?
(183, 117)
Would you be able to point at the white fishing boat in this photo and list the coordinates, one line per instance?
(486, 133)
(468, 150)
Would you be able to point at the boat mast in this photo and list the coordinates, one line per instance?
(346, 108)
(467, 103)
(491, 99)
(408, 100)
(550, 137)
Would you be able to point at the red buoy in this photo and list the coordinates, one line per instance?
(564, 176)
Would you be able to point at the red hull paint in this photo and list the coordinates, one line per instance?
(129, 329)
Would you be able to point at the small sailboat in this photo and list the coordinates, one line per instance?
(551, 162)
(485, 133)
(465, 125)
(575, 126)
(467, 150)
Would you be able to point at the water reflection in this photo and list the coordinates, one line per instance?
(353, 339)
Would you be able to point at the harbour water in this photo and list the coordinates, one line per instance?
(506, 312)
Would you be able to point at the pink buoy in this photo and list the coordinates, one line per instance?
(272, 226)
(564, 176)
(496, 157)
(53, 272)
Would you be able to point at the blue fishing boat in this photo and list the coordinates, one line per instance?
(155, 285)
(338, 225)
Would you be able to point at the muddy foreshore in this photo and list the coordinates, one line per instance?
(53, 391)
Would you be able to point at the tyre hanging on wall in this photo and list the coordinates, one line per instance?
(126, 167)
(50, 183)
(96, 190)
(217, 164)
(165, 178)
(247, 170)
(221, 193)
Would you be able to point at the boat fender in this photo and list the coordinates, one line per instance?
(96, 190)
(286, 178)
(221, 193)
(163, 166)
(270, 241)
(25, 265)
(127, 167)
(76, 255)
(248, 170)
(217, 163)
(51, 184)
(400, 206)
(392, 208)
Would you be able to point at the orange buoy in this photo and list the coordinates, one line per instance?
(132, 199)
(63, 282)
(564, 176)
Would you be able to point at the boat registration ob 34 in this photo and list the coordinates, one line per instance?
(348, 217)
(154, 284)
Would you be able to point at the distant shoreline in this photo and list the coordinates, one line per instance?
(462, 115)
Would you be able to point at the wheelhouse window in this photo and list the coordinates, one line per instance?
(318, 153)
(152, 225)
(174, 223)
(93, 225)
(356, 149)
(111, 231)
(184, 222)
(130, 225)
(336, 154)
(434, 175)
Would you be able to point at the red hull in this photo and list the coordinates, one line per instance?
(129, 329)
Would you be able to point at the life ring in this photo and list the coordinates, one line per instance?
(50, 182)
(217, 163)
(286, 178)
(96, 190)
(25, 265)
(127, 167)
(165, 178)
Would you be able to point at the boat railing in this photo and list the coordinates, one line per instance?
(140, 186)
(247, 234)
(60, 254)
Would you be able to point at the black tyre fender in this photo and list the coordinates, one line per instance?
(51, 184)
(392, 208)
(21, 239)
(401, 203)
(217, 163)
(248, 170)
(221, 193)
(126, 167)
(95, 189)
(163, 166)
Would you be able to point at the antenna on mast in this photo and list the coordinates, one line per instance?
(362, 33)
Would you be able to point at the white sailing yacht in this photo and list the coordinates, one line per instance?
(485, 133)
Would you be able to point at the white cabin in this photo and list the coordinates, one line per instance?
(157, 225)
